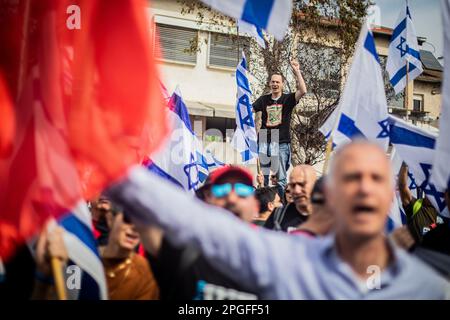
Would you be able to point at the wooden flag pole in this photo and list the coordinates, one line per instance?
(327, 155)
(59, 278)
(407, 91)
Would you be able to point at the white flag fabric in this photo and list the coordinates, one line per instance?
(441, 164)
(244, 139)
(362, 110)
(403, 49)
(270, 15)
(252, 30)
(182, 160)
(416, 147)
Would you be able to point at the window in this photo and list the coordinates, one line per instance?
(225, 50)
(217, 129)
(175, 43)
(418, 102)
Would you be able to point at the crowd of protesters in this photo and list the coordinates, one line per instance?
(279, 237)
(237, 241)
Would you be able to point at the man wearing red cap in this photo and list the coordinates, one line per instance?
(182, 272)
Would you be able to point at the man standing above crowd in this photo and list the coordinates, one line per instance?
(276, 108)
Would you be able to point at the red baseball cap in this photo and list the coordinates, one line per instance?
(230, 170)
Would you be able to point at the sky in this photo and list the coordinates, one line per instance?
(426, 15)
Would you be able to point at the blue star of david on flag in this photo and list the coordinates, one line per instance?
(403, 51)
(430, 189)
(385, 128)
(413, 184)
(192, 172)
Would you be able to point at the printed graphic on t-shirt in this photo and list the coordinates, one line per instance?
(274, 115)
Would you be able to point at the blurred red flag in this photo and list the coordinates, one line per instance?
(89, 106)
(8, 124)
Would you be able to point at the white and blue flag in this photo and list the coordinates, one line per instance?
(403, 50)
(182, 160)
(244, 139)
(441, 163)
(416, 147)
(254, 31)
(362, 110)
(83, 253)
(270, 15)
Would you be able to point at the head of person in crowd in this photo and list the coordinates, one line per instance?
(359, 190)
(204, 192)
(123, 237)
(287, 196)
(321, 220)
(276, 84)
(232, 189)
(269, 200)
(274, 179)
(318, 200)
(301, 182)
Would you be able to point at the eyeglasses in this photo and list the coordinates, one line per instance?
(222, 190)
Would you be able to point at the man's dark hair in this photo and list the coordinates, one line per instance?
(277, 74)
(265, 195)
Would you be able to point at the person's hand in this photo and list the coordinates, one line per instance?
(403, 238)
(295, 66)
(260, 179)
(50, 245)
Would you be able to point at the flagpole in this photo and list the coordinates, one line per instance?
(406, 100)
(327, 155)
(59, 278)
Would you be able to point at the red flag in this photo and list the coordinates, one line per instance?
(8, 121)
(89, 105)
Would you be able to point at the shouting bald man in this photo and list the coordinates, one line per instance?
(276, 108)
(356, 262)
(291, 216)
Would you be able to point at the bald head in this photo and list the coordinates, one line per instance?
(301, 183)
(360, 189)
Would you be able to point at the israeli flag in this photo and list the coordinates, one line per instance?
(244, 139)
(403, 50)
(416, 147)
(441, 162)
(270, 15)
(252, 30)
(362, 110)
(182, 160)
(397, 216)
(85, 274)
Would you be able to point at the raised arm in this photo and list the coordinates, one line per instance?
(301, 86)
(405, 193)
(255, 258)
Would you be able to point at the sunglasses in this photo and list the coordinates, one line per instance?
(222, 190)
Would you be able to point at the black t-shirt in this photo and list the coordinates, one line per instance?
(184, 274)
(438, 238)
(291, 218)
(276, 114)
